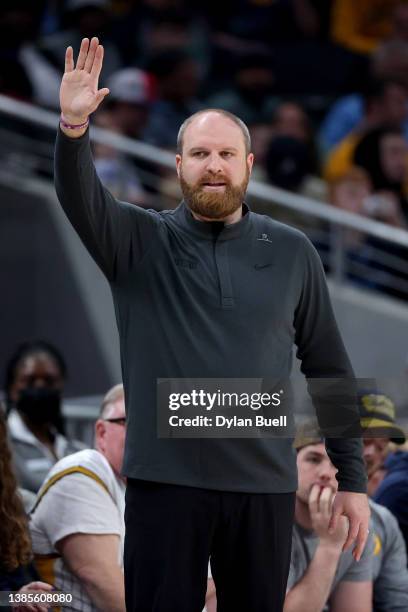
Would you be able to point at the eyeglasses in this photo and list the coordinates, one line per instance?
(118, 421)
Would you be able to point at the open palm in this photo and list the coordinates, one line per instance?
(79, 93)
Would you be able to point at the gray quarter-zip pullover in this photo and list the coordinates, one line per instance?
(206, 300)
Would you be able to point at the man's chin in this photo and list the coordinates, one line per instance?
(213, 204)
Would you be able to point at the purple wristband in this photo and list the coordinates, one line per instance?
(69, 126)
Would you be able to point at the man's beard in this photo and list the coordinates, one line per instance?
(214, 205)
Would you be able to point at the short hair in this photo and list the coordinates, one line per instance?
(114, 395)
(220, 111)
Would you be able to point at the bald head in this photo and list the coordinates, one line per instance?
(209, 119)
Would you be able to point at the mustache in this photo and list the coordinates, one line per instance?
(210, 178)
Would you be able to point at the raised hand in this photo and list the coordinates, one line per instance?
(79, 93)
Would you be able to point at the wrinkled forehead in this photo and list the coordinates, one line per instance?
(213, 131)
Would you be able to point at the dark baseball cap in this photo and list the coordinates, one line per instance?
(307, 433)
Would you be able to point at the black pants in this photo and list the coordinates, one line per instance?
(171, 531)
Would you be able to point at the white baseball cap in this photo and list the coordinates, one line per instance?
(130, 85)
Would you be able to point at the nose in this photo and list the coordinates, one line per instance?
(369, 449)
(327, 472)
(214, 163)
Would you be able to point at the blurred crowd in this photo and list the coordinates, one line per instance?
(322, 85)
(62, 503)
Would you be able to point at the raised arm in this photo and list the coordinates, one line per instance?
(79, 93)
(116, 234)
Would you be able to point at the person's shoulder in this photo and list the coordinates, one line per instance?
(380, 513)
(171, 217)
(136, 216)
(86, 468)
(166, 213)
(278, 228)
(383, 521)
(85, 458)
(134, 209)
(397, 462)
(284, 235)
(18, 431)
(88, 458)
(395, 482)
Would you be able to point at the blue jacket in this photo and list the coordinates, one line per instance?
(393, 491)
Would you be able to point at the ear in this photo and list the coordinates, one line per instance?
(178, 164)
(100, 430)
(250, 162)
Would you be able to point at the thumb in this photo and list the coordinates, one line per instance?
(100, 95)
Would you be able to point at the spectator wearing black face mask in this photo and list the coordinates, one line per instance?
(35, 377)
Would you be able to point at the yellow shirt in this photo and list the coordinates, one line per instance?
(360, 25)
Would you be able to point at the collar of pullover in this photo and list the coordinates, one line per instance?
(213, 229)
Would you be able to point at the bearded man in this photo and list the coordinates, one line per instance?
(209, 291)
